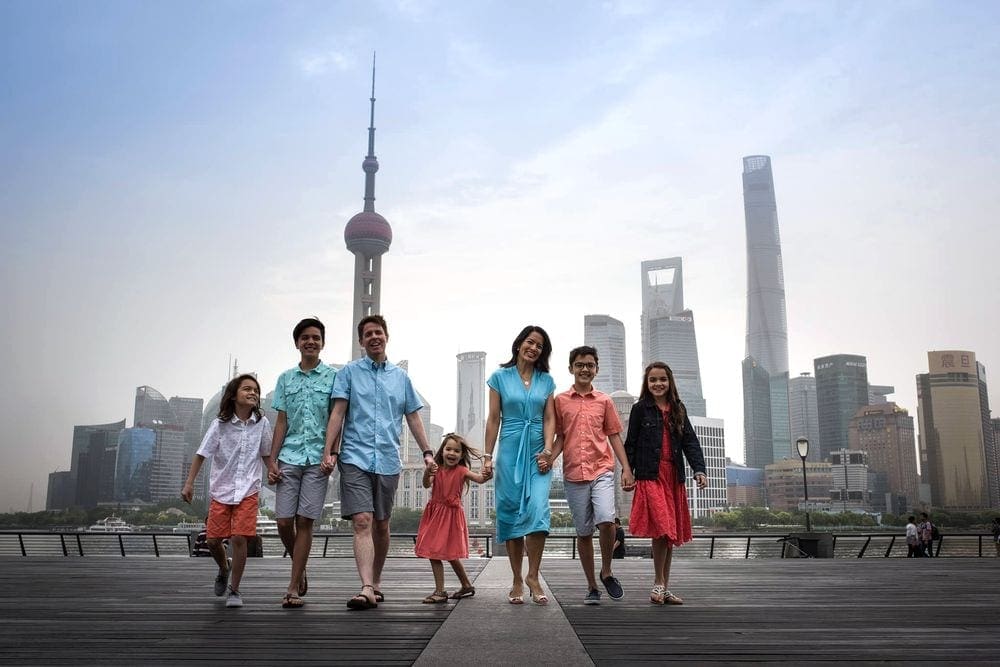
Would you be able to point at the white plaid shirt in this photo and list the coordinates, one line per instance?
(236, 449)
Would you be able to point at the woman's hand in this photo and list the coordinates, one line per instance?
(544, 461)
(488, 468)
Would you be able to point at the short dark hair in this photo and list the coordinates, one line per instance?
(583, 351)
(542, 363)
(305, 324)
(372, 319)
(911, 518)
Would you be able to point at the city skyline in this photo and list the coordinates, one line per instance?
(166, 209)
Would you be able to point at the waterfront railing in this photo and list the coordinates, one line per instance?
(749, 545)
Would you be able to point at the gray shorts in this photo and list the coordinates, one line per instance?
(301, 491)
(591, 503)
(363, 491)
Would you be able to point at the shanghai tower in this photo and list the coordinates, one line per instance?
(766, 428)
(368, 236)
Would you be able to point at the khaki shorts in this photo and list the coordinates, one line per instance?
(592, 503)
(300, 492)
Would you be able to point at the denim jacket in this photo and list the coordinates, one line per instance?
(645, 439)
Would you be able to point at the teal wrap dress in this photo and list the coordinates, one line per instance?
(522, 492)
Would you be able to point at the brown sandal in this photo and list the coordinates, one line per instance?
(436, 597)
(362, 601)
(464, 592)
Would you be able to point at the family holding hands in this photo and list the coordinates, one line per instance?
(351, 420)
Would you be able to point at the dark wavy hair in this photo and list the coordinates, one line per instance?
(373, 319)
(542, 363)
(677, 410)
(227, 406)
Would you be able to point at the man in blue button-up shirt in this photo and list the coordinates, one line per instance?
(374, 395)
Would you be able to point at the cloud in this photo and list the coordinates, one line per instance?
(317, 64)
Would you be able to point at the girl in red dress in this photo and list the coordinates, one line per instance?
(660, 437)
(443, 534)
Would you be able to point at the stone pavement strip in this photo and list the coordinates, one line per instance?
(487, 630)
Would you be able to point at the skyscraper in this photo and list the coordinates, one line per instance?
(153, 411)
(607, 336)
(841, 389)
(92, 463)
(712, 436)
(952, 443)
(802, 412)
(668, 329)
(368, 236)
(767, 329)
(134, 467)
(470, 419)
(885, 431)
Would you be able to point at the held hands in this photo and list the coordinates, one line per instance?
(187, 493)
(488, 468)
(328, 463)
(628, 481)
(544, 461)
(701, 480)
(273, 473)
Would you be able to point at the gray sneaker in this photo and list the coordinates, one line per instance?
(234, 599)
(222, 579)
(593, 597)
(613, 587)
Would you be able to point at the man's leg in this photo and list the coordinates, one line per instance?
(380, 547)
(364, 551)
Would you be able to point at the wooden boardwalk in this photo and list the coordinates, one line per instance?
(149, 611)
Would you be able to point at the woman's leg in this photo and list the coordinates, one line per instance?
(535, 543)
(515, 554)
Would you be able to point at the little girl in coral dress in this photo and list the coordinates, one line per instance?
(443, 534)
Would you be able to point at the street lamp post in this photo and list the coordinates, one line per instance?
(802, 444)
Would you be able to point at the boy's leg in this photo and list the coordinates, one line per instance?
(238, 543)
(607, 538)
(217, 528)
(581, 506)
(603, 510)
(303, 545)
(286, 504)
(244, 526)
(311, 494)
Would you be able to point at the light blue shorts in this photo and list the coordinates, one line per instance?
(592, 503)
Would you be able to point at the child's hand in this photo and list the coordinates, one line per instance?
(187, 493)
(273, 474)
(701, 479)
(433, 468)
(628, 481)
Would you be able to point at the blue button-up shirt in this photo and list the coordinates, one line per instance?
(304, 397)
(377, 395)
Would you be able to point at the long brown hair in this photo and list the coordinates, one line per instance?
(677, 409)
(227, 406)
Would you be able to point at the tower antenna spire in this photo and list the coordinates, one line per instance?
(371, 162)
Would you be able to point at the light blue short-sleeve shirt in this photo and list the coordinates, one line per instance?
(304, 397)
(377, 395)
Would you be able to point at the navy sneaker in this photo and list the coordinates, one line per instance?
(593, 597)
(613, 587)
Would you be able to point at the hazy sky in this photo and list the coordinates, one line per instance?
(175, 179)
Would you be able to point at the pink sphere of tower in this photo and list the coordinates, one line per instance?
(368, 233)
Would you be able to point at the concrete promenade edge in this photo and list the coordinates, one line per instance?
(487, 630)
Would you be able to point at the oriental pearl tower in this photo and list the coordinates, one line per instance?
(368, 236)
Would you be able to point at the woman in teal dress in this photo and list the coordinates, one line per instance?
(522, 413)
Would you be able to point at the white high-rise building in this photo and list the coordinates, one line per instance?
(712, 437)
(607, 335)
(803, 414)
(470, 418)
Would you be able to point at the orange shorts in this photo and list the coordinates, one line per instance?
(228, 520)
